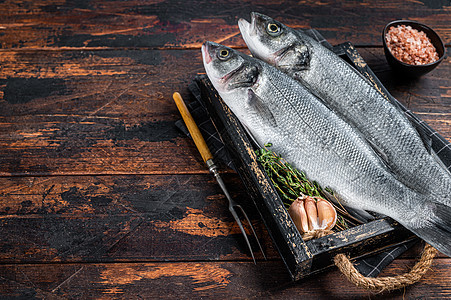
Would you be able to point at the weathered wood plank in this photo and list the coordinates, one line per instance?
(137, 83)
(96, 112)
(85, 88)
(122, 218)
(175, 24)
(90, 147)
(191, 280)
(111, 112)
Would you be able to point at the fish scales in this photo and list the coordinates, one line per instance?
(276, 109)
(352, 96)
(357, 171)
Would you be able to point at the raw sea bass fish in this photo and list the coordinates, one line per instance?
(277, 109)
(354, 98)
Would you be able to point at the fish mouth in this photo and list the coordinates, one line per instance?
(246, 31)
(243, 75)
(248, 28)
(257, 17)
(209, 47)
(206, 53)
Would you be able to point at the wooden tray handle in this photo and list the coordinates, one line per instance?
(390, 283)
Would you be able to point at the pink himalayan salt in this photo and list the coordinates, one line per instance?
(410, 45)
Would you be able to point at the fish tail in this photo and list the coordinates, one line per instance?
(436, 230)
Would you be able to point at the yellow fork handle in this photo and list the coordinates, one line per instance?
(192, 128)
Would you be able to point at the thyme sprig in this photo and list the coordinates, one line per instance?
(291, 183)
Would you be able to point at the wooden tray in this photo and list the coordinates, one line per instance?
(301, 258)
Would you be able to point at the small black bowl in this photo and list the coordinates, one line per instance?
(414, 70)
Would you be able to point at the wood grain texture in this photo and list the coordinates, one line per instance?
(184, 280)
(66, 99)
(181, 24)
(102, 197)
(122, 218)
(111, 112)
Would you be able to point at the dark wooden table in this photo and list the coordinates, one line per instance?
(102, 197)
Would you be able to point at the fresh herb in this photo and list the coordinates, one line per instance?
(291, 183)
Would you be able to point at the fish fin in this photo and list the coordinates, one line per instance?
(361, 214)
(357, 213)
(261, 108)
(427, 140)
(437, 229)
(383, 158)
(379, 152)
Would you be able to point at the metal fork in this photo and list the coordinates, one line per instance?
(208, 159)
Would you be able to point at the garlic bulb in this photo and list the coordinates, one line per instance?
(299, 215)
(327, 214)
(310, 215)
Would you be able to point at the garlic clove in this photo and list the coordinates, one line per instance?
(326, 213)
(312, 213)
(299, 215)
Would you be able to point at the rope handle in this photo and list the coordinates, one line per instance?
(380, 284)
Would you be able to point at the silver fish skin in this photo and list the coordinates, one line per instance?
(354, 98)
(276, 109)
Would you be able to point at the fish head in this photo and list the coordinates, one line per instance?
(235, 76)
(275, 43)
(228, 69)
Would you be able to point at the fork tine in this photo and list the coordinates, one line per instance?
(253, 230)
(237, 219)
(208, 159)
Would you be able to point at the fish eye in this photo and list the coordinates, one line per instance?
(223, 54)
(273, 29)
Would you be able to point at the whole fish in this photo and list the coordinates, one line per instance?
(276, 109)
(354, 98)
